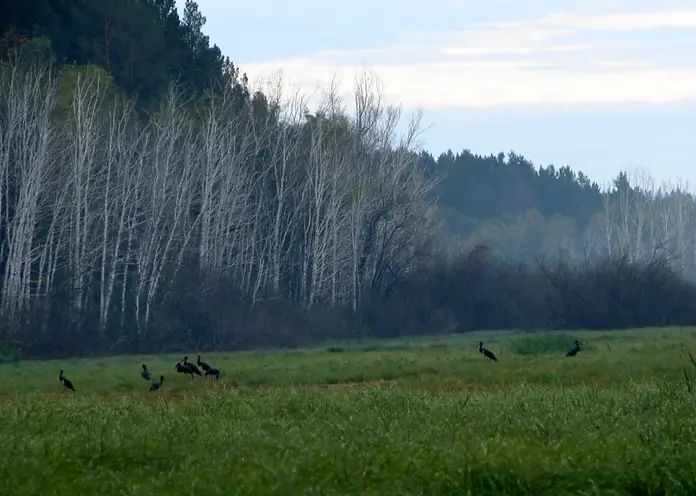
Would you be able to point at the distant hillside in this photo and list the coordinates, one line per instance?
(477, 188)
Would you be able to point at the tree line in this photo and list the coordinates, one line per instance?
(141, 44)
(216, 216)
(523, 212)
(116, 230)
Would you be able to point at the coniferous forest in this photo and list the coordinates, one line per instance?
(152, 200)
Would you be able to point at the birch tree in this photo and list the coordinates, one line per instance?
(225, 184)
(285, 180)
(399, 211)
(676, 219)
(628, 214)
(164, 201)
(123, 170)
(251, 191)
(27, 99)
(84, 138)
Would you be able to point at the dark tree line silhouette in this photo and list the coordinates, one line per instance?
(476, 292)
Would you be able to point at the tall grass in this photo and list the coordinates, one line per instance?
(429, 420)
(544, 343)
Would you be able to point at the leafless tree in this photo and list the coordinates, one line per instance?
(123, 170)
(27, 134)
(84, 136)
(677, 209)
(164, 201)
(390, 197)
(320, 208)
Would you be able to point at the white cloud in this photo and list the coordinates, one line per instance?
(550, 60)
(624, 22)
(511, 50)
(605, 22)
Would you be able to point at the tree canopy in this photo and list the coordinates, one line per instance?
(142, 44)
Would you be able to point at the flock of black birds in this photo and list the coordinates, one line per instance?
(489, 354)
(182, 367)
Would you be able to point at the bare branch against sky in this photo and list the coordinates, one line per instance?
(600, 86)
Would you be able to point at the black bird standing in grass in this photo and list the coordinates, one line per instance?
(487, 353)
(184, 369)
(156, 386)
(65, 381)
(192, 366)
(212, 373)
(203, 365)
(145, 373)
(574, 350)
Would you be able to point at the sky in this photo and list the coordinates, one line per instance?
(601, 86)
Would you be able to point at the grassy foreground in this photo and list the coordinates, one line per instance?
(429, 416)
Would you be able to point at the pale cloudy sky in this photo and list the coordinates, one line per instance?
(598, 85)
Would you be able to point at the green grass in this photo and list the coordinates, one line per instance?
(418, 416)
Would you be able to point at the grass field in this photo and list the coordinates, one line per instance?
(426, 416)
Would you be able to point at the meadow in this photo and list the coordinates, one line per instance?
(419, 416)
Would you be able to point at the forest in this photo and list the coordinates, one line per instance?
(152, 200)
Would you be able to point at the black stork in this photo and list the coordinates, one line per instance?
(574, 350)
(203, 365)
(145, 373)
(65, 381)
(192, 366)
(156, 386)
(184, 369)
(488, 353)
(212, 372)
